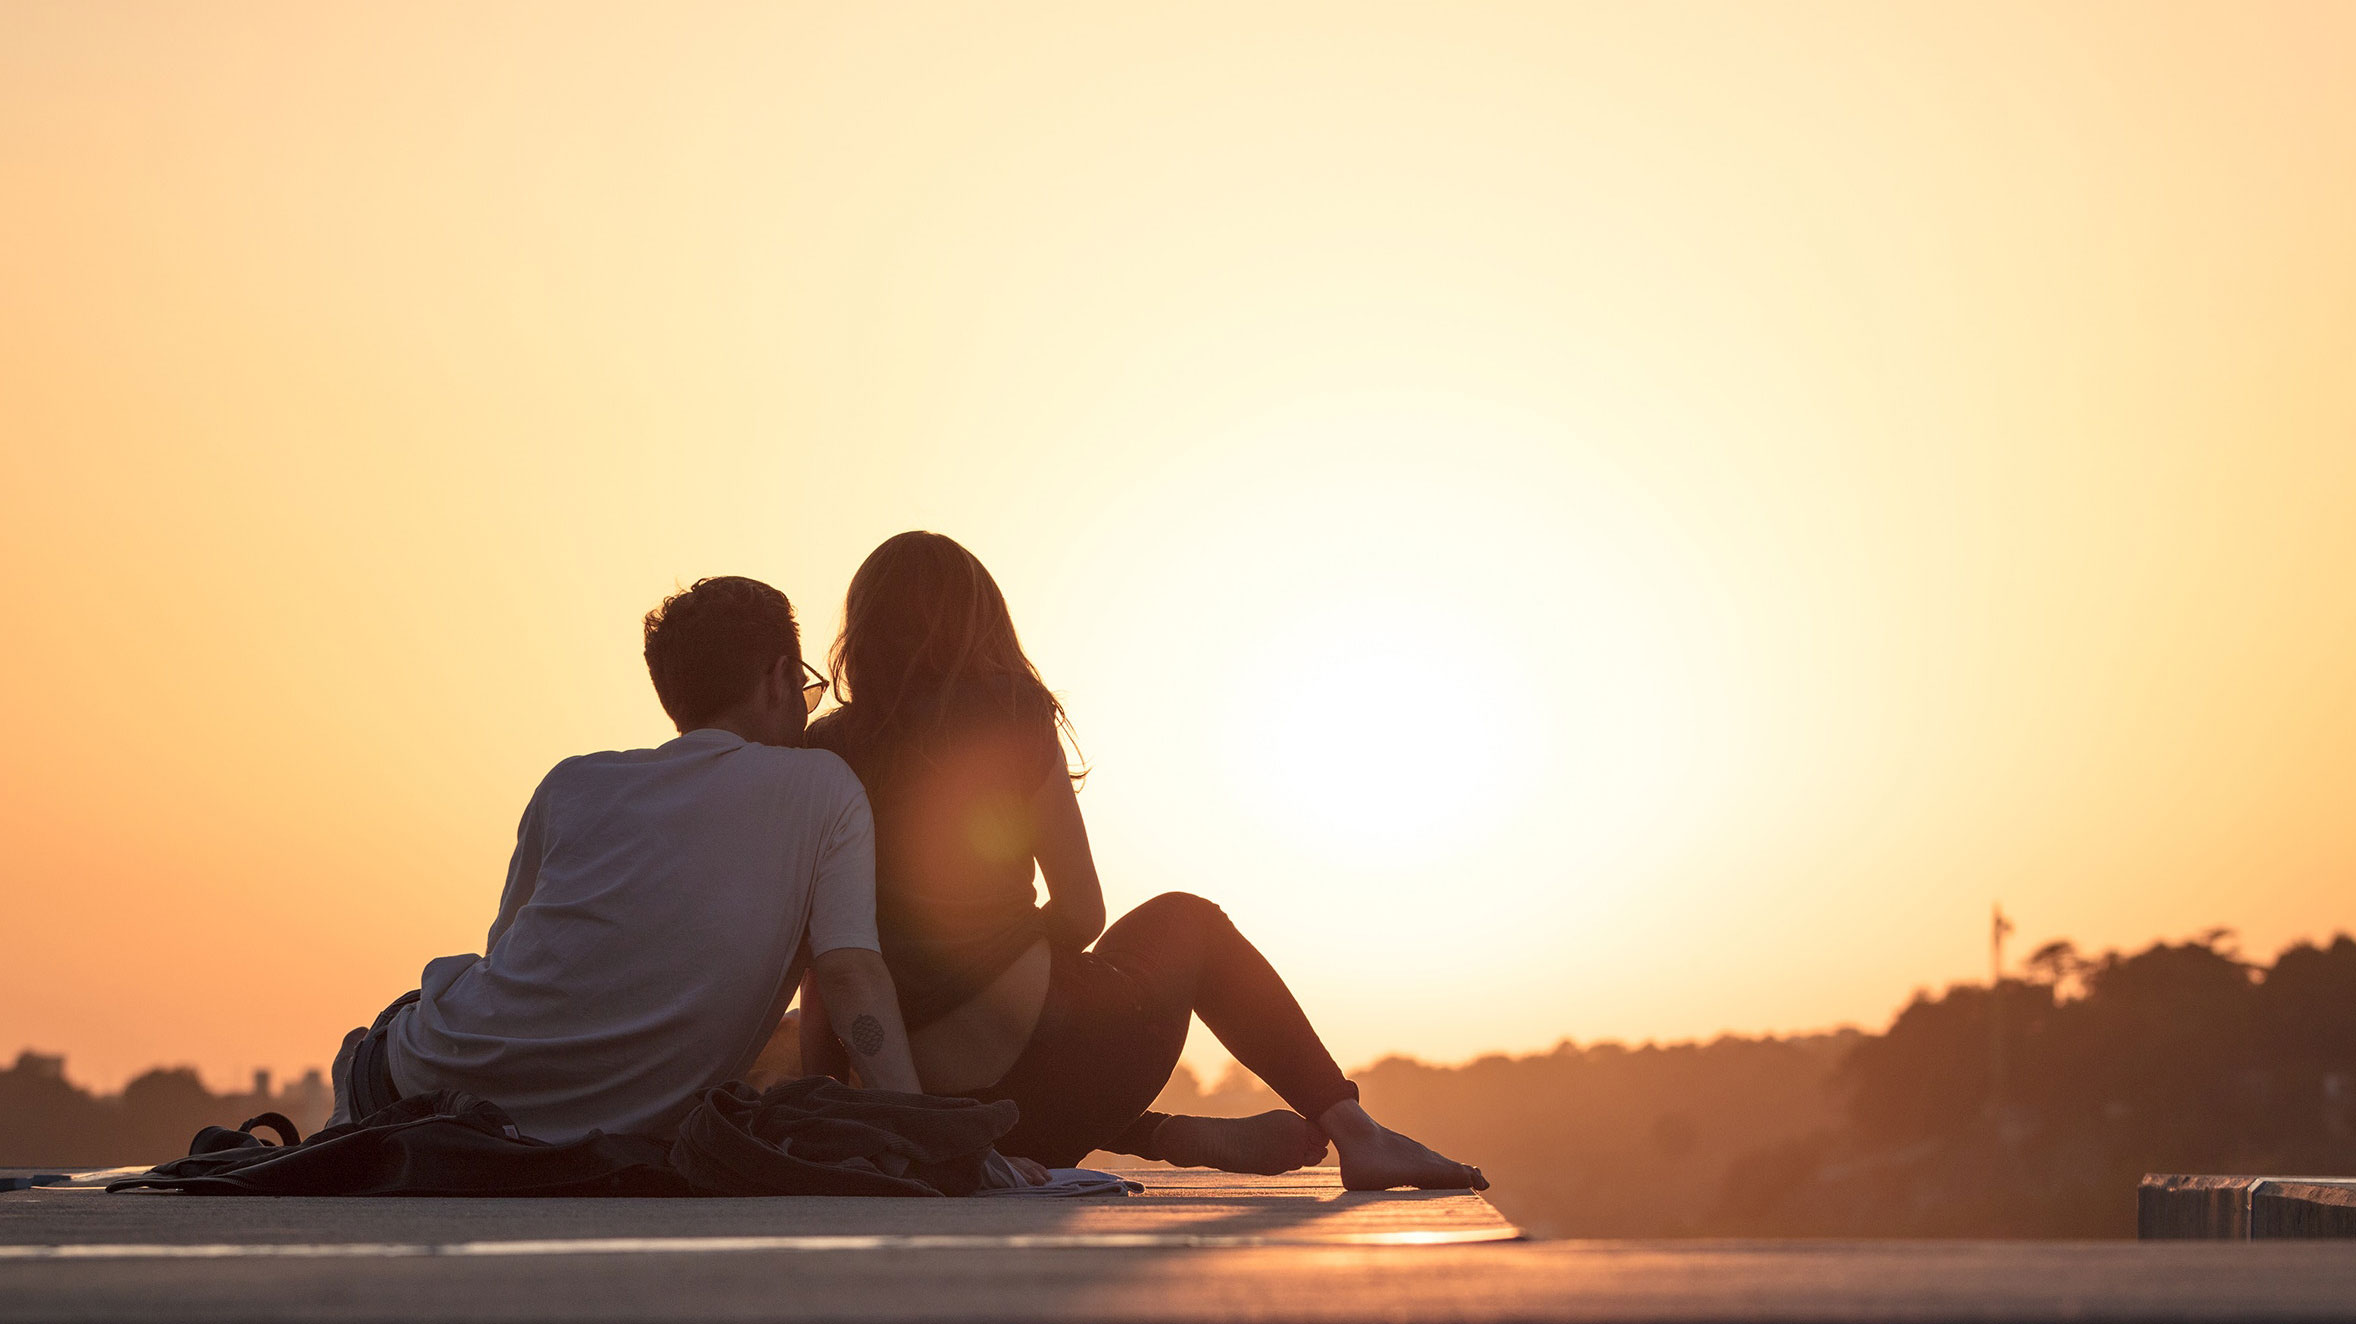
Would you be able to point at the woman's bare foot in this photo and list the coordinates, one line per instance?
(1376, 1158)
(1270, 1143)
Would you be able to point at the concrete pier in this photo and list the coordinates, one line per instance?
(1195, 1247)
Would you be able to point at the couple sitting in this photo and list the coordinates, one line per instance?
(663, 904)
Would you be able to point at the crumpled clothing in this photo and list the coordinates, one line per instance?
(818, 1136)
(814, 1136)
(440, 1143)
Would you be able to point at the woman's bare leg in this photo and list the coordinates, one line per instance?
(1183, 951)
(1279, 1140)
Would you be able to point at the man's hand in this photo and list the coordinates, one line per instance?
(865, 1014)
(1032, 1173)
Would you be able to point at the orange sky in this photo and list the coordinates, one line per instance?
(1594, 520)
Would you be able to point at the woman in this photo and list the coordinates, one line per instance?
(958, 743)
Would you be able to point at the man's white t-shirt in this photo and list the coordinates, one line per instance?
(650, 935)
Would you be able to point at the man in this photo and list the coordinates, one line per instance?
(660, 906)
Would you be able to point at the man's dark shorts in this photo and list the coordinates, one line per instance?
(363, 1071)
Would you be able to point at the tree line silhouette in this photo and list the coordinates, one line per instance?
(2024, 1109)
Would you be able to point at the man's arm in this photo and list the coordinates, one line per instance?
(523, 868)
(852, 987)
(857, 992)
(822, 1053)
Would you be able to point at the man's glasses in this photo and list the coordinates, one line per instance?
(813, 689)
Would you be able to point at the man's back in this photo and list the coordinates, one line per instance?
(647, 939)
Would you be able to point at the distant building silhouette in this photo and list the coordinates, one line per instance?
(47, 1121)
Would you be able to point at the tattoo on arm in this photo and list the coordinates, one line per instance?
(867, 1035)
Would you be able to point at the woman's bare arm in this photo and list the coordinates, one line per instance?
(1075, 899)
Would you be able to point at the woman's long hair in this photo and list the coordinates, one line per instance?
(924, 620)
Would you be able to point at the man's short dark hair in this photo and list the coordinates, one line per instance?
(708, 647)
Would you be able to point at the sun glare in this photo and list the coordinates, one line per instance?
(1373, 748)
(1426, 666)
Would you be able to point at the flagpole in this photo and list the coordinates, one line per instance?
(1998, 927)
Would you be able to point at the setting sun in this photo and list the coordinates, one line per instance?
(1425, 663)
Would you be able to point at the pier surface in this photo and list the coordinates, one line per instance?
(1195, 1247)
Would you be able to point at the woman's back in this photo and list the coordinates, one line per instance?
(952, 780)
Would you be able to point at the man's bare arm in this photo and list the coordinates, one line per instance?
(865, 1015)
(822, 1053)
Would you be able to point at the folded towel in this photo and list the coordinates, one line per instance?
(1070, 1184)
